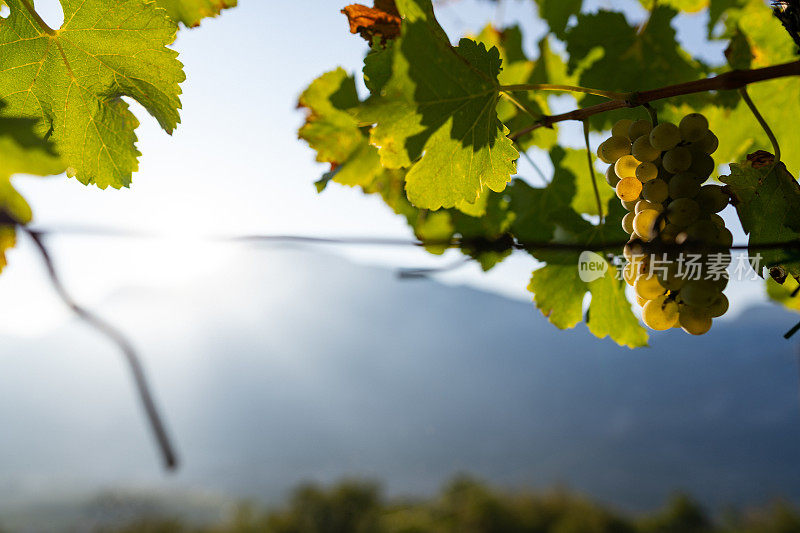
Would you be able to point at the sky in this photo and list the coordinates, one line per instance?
(235, 166)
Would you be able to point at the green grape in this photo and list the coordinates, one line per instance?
(614, 148)
(665, 136)
(625, 167)
(683, 185)
(644, 224)
(629, 205)
(646, 172)
(611, 176)
(702, 165)
(627, 223)
(719, 307)
(694, 321)
(693, 127)
(643, 150)
(668, 277)
(643, 205)
(620, 129)
(628, 189)
(725, 237)
(682, 212)
(699, 293)
(678, 159)
(639, 128)
(648, 287)
(655, 191)
(722, 282)
(709, 143)
(704, 231)
(670, 234)
(630, 272)
(712, 198)
(660, 314)
(718, 221)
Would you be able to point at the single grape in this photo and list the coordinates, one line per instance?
(693, 127)
(665, 136)
(712, 198)
(709, 143)
(639, 128)
(630, 272)
(719, 307)
(718, 221)
(722, 282)
(660, 314)
(625, 167)
(682, 212)
(656, 191)
(667, 275)
(683, 185)
(642, 205)
(648, 287)
(628, 189)
(670, 233)
(693, 321)
(702, 165)
(629, 205)
(725, 237)
(644, 224)
(614, 148)
(703, 231)
(646, 172)
(678, 159)
(627, 223)
(699, 293)
(611, 176)
(620, 129)
(643, 150)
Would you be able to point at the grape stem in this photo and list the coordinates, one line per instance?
(611, 95)
(762, 122)
(733, 80)
(591, 171)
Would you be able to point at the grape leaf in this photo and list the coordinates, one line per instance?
(738, 131)
(23, 152)
(437, 115)
(559, 293)
(557, 13)
(519, 70)
(784, 294)
(767, 199)
(332, 130)
(381, 21)
(630, 60)
(73, 80)
(690, 6)
(191, 12)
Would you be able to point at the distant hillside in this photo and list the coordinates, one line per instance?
(303, 366)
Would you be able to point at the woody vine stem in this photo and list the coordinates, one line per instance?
(733, 80)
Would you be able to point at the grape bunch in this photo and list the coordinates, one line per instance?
(659, 174)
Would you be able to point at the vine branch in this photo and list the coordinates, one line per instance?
(140, 380)
(729, 81)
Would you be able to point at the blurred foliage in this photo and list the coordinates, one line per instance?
(469, 506)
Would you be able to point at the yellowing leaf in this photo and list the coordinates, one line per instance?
(73, 80)
(191, 12)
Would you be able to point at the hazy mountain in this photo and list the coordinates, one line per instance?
(298, 366)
